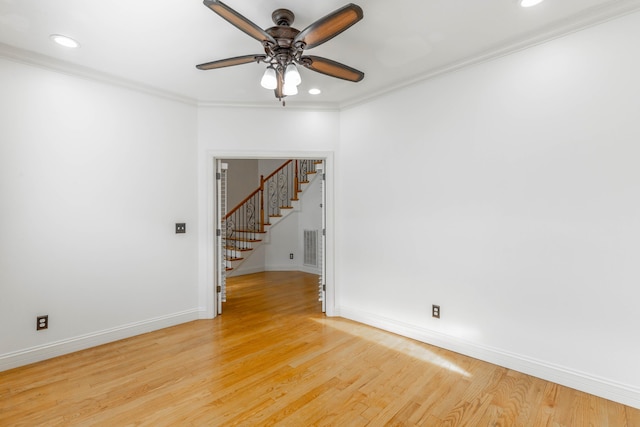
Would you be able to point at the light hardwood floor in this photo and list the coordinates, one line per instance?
(273, 359)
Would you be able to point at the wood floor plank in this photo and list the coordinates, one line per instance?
(273, 358)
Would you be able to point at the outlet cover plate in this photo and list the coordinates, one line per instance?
(435, 311)
(42, 322)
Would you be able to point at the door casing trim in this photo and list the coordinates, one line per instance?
(207, 294)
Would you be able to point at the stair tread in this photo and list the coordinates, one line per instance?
(235, 259)
(233, 248)
(240, 239)
(286, 207)
(250, 231)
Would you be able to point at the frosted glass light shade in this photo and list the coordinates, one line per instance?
(292, 76)
(269, 79)
(289, 89)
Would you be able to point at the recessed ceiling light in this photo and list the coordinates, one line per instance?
(64, 41)
(529, 3)
(315, 91)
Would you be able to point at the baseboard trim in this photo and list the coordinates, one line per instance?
(304, 269)
(70, 345)
(602, 387)
(310, 270)
(284, 267)
(244, 271)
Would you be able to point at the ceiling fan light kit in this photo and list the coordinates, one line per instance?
(284, 46)
(269, 79)
(291, 75)
(289, 89)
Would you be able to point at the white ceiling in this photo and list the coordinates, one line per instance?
(156, 44)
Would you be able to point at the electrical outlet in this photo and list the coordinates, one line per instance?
(290, 256)
(181, 227)
(435, 311)
(42, 322)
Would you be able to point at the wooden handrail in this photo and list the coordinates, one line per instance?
(258, 206)
(278, 170)
(262, 181)
(241, 203)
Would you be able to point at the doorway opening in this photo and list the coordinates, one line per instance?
(255, 237)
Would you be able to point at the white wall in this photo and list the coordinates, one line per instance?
(282, 241)
(524, 228)
(310, 219)
(248, 133)
(286, 236)
(507, 193)
(92, 180)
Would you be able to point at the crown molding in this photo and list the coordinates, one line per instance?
(588, 18)
(53, 64)
(304, 106)
(49, 63)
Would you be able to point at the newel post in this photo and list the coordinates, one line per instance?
(261, 203)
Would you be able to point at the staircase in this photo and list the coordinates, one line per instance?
(246, 225)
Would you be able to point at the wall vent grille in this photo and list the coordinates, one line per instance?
(311, 248)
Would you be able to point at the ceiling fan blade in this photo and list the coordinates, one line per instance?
(238, 60)
(331, 68)
(239, 21)
(326, 28)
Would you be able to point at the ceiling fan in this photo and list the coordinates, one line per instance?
(284, 46)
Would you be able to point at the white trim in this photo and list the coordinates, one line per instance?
(275, 104)
(589, 18)
(206, 288)
(618, 392)
(303, 269)
(310, 270)
(252, 270)
(82, 342)
(63, 67)
(244, 271)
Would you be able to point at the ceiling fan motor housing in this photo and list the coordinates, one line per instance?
(284, 45)
(283, 17)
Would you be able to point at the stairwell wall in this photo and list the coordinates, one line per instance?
(242, 179)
